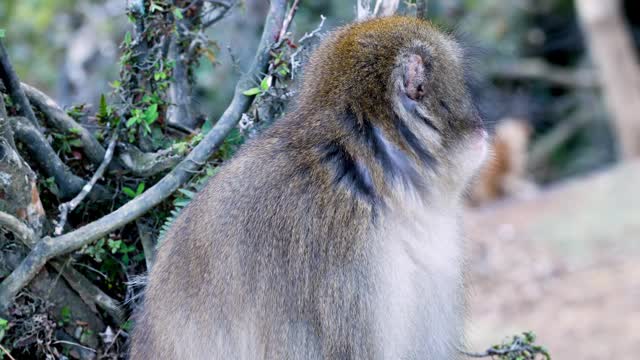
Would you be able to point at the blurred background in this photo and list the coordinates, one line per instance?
(553, 221)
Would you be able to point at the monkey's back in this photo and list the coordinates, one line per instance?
(334, 234)
(259, 246)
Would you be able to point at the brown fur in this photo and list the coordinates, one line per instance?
(278, 258)
(505, 174)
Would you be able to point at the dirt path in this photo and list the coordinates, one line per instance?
(581, 307)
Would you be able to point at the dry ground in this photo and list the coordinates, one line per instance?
(581, 297)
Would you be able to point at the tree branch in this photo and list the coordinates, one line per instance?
(6, 133)
(63, 122)
(20, 229)
(539, 70)
(68, 183)
(288, 19)
(68, 207)
(49, 248)
(147, 164)
(148, 244)
(421, 9)
(88, 292)
(12, 83)
(223, 12)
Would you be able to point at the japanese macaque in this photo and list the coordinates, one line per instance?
(505, 175)
(335, 234)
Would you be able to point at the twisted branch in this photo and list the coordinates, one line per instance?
(49, 248)
(65, 123)
(12, 83)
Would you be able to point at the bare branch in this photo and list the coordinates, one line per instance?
(148, 244)
(381, 8)
(386, 7)
(363, 9)
(147, 164)
(539, 70)
(6, 133)
(223, 12)
(421, 9)
(179, 113)
(12, 83)
(88, 292)
(544, 147)
(68, 183)
(20, 229)
(295, 64)
(288, 19)
(5, 351)
(63, 122)
(68, 207)
(49, 248)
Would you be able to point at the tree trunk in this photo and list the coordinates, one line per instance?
(612, 50)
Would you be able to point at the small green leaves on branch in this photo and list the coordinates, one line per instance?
(519, 347)
(265, 84)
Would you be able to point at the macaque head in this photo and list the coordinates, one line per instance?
(407, 79)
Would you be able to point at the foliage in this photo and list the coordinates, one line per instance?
(519, 347)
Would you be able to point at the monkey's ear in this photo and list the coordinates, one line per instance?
(414, 76)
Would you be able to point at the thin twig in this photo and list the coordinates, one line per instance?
(295, 63)
(12, 83)
(6, 352)
(17, 227)
(74, 344)
(68, 207)
(287, 20)
(48, 247)
(315, 31)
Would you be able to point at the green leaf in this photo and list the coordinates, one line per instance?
(140, 188)
(116, 84)
(132, 121)
(265, 84)
(188, 193)
(129, 192)
(127, 326)
(181, 203)
(76, 143)
(65, 314)
(151, 114)
(127, 38)
(115, 245)
(2, 33)
(4, 323)
(102, 110)
(252, 91)
(207, 126)
(178, 14)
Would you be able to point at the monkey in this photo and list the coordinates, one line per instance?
(335, 233)
(504, 175)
